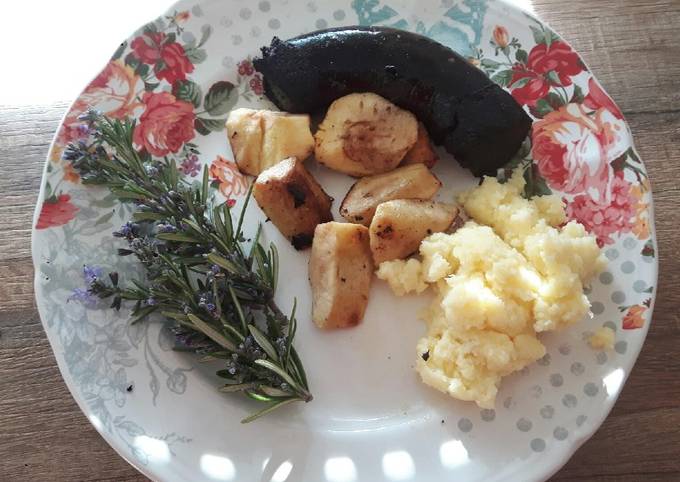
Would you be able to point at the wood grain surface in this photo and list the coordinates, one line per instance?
(632, 46)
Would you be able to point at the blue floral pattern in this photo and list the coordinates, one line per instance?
(99, 347)
(458, 25)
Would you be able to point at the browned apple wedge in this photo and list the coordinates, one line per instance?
(293, 200)
(340, 272)
(364, 134)
(261, 138)
(399, 226)
(409, 182)
(422, 151)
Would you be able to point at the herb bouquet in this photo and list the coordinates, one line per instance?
(202, 276)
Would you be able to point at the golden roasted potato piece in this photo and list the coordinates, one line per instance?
(400, 225)
(340, 272)
(285, 135)
(422, 151)
(364, 134)
(409, 182)
(261, 138)
(293, 200)
(244, 130)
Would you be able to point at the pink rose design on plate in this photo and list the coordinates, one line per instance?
(557, 58)
(598, 99)
(166, 124)
(169, 59)
(113, 92)
(603, 219)
(574, 149)
(56, 211)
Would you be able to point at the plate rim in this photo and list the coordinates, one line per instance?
(610, 402)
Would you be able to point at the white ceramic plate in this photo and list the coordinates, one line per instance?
(371, 419)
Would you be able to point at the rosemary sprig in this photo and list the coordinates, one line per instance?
(200, 275)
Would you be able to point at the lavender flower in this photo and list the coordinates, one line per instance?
(70, 154)
(83, 130)
(91, 274)
(128, 231)
(205, 301)
(83, 296)
(75, 151)
(86, 296)
(166, 228)
(146, 249)
(90, 116)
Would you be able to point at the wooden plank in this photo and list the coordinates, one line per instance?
(631, 46)
(43, 434)
(657, 138)
(632, 456)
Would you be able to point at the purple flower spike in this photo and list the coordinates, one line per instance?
(127, 230)
(166, 228)
(83, 130)
(83, 297)
(91, 274)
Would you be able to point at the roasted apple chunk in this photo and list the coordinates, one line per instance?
(364, 134)
(408, 182)
(293, 200)
(340, 272)
(261, 138)
(400, 225)
(422, 151)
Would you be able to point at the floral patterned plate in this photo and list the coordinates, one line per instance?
(371, 419)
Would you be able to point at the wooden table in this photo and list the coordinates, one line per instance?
(633, 46)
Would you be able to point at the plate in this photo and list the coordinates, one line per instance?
(371, 418)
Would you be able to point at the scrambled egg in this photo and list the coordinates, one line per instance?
(603, 339)
(407, 278)
(506, 275)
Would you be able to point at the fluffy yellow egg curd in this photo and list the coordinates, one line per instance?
(515, 269)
